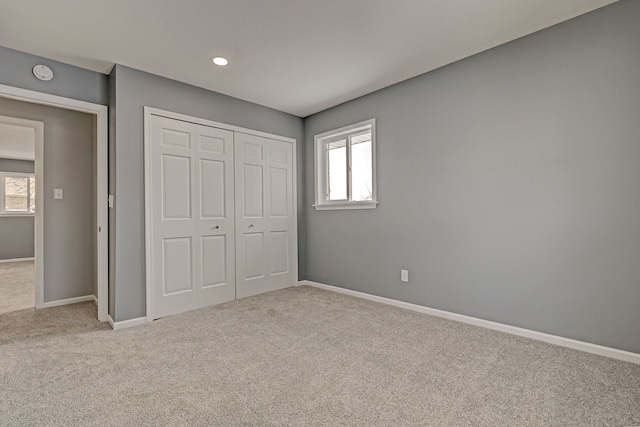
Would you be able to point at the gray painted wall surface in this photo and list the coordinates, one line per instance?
(13, 165)
(68, 223)
(16, 237)
(508, 185)
(68, 81)
(16, 233)
(134, 90)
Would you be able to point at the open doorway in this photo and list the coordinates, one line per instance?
(18, 199)
(70, 198)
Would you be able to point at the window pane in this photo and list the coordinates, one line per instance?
(361, 168)
(32, 200)
(337, 170)
(16, 194)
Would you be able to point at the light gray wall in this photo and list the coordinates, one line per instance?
(13, 165)
(68, 81)
(68, 223)
(134, 90)
(17, 237)
(17, 232)
(508, 185)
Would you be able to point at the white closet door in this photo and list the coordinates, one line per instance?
(192, 214)
(265, 239)
(281, 239)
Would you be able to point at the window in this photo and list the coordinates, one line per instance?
(346, 167)
(17, 193)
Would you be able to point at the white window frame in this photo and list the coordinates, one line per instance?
(3, 208)
(321, 167)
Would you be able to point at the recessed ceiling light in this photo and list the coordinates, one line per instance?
(219, 60)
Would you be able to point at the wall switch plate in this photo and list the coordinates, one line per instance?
(404, 275)
(57, 193)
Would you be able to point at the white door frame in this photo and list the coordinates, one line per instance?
(150, 111)
(102, 233)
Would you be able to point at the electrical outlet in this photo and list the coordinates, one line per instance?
(404, 275)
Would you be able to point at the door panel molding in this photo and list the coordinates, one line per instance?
(271, 184)
(181, 225)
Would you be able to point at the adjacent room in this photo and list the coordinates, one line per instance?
(17, 210)
(364, 213)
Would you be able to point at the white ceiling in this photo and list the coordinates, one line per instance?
(17, 142)
(297, 56)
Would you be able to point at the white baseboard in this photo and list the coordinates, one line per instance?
(613, 353)
(2, 261)
(69, 301)
(126, 323)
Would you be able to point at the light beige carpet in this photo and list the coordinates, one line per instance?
(18, 326)
(17, 285)
(308, 357)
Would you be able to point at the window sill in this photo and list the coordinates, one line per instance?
(11, 215)
(344, 206)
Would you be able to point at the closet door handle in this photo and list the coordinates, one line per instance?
(216, 227)
(250, 225)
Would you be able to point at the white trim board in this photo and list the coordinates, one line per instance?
(600, 350)
(68, 301)
(126, 323)
(2, 261)
(102, 233)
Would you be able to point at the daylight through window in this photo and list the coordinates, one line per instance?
(17, 193)
(345, 167)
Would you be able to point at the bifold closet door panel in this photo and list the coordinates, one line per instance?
(192, 216)
(251, 225)
(264, 214)
(281, 237)
(216, 216)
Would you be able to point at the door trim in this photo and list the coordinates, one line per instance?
(150, 111)
(102, 233)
